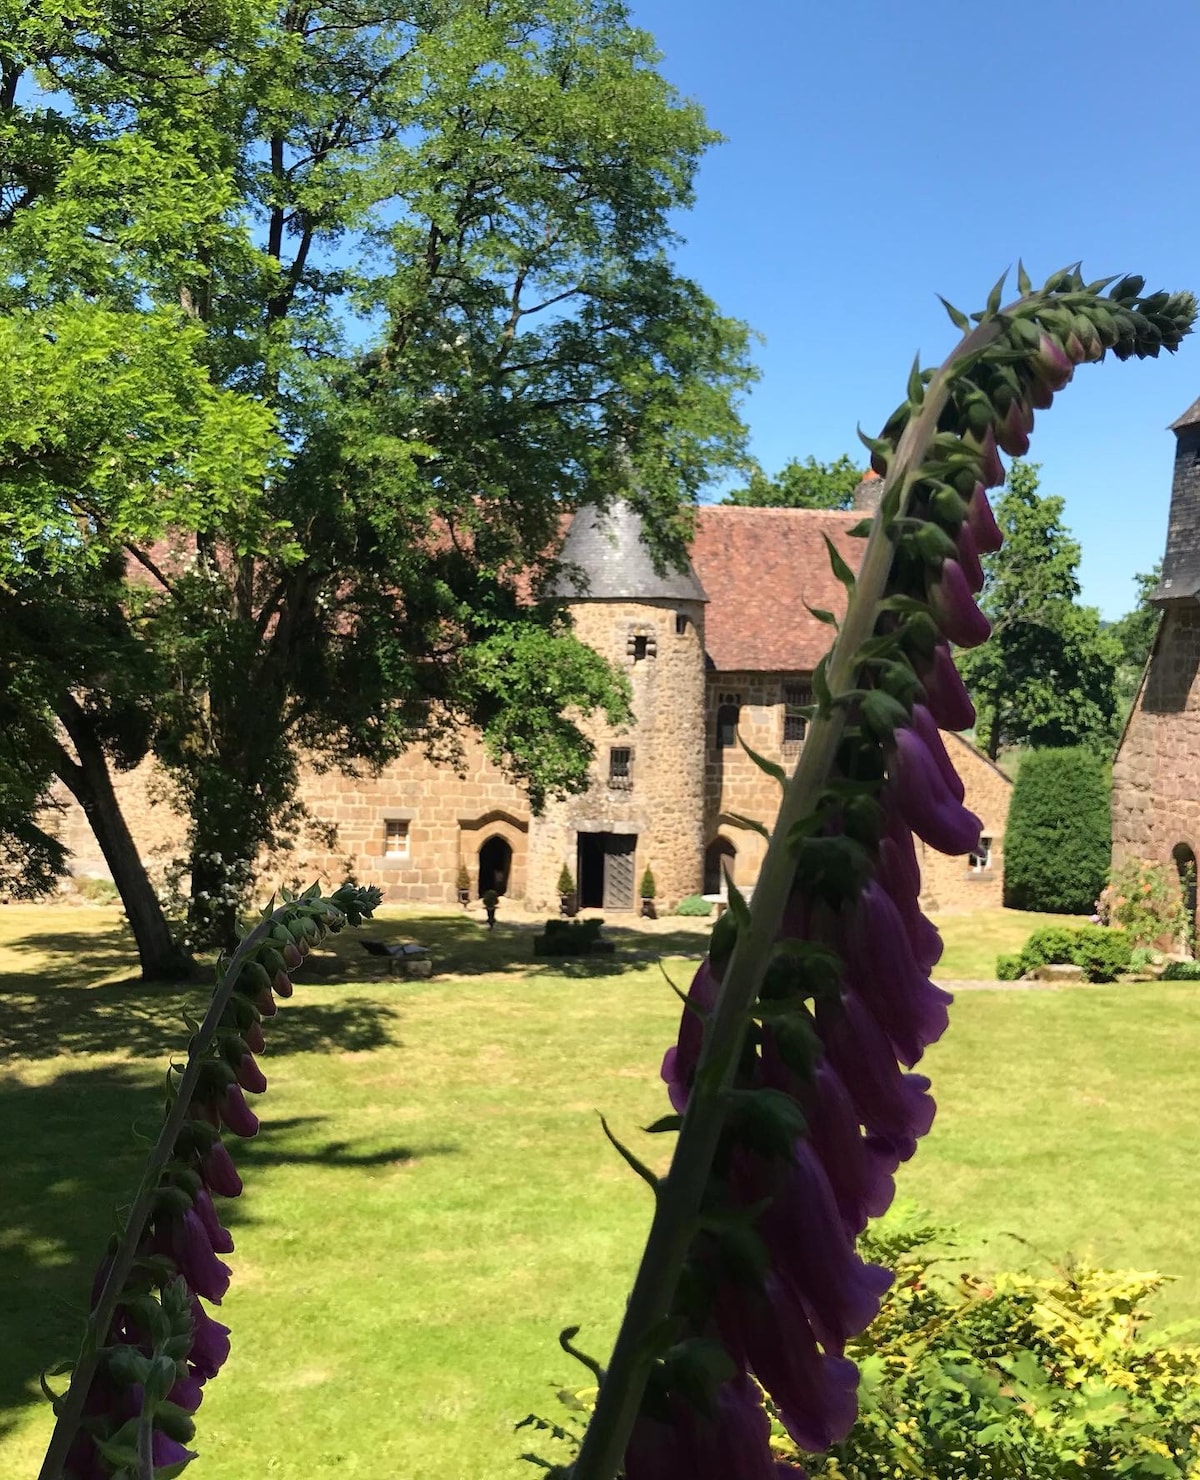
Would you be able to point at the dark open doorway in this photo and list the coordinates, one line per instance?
(605, 870)
(1185, 866)
(495, 865)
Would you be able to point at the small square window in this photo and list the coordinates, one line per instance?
(981, 860)
(395, 838)
(681, 624)
(620, 767)
(640, 645)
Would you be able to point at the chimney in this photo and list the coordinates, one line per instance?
(1181, 563)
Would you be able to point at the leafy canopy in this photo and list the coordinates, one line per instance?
(806, 484)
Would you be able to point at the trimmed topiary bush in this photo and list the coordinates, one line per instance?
(1009, 969)
(1053, 945)
(694, 904)
(1056, 844)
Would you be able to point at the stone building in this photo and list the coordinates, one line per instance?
(723, 648)
(1156, 775)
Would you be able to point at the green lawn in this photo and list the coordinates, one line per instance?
(431, 1198)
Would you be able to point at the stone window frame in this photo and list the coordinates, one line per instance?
(620, 780)
(641, 642)
(979, 862)
(725, 735)
(401, 819)
(796, 694)
(682, 621)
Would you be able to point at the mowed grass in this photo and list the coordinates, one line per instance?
(431, 1198)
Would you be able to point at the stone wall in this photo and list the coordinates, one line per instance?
(1156, 775)
(660, 645)
(949, 884)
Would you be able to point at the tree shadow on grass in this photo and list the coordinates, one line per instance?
(71, 1158)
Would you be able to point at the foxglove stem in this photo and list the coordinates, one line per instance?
(679, 1196)
(100, 1319)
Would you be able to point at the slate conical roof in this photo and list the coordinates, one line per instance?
(1190, 418)
(607, 559)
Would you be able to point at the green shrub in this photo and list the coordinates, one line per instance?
(1141, 957)
(462, 880)
(1103, 953)
(1181, 971)
(694, 904)
(571, 938)
(566, 881)
(1052, 945)
(648, 889)
(1009, 969)
(1014, 1378)
(96, 891)
(1056, 844)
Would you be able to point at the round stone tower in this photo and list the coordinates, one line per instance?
(645, 805)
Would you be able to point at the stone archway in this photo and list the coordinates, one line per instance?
(495, 864)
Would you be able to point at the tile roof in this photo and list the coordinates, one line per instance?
(759, 567)
(606, 559)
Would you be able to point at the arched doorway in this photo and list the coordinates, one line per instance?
(1185, 866)
(719, 859)
(495, 865)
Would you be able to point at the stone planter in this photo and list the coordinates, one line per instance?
(648, 910)
(464, 897)
(568, 905)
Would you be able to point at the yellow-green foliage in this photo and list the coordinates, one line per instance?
(1017, 1378)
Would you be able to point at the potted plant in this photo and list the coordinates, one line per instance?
(463, 884)
(490, 901)
(568, 902)
(648, 892)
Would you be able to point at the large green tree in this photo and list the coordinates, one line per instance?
(1047, 678)
(1134, 634)
(318, 317)
(806, 484)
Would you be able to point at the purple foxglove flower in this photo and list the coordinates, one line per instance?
(859, 1174)
(282, 983)
(968, 558)
(168, 1451)
(219, 1172)
(1013, 435)
(1040, 393)
(219, 1237)
(1052, 363)
(291, 955)
(236, 1114)
(807, 1242)
(954, 608)
(188, 1392)
(679, 1063)
(895, 1108)
(992, 469)
(254, 1039)
(816, 1392)
(924, 800)
(945, 693)
(210, 1343)
(893, 876)
(926, 726)
(188, 1244)
(988, 534)
(880, 967)
(249, 1075)
(1075, 349)
(734, 1444)
(265, 1002)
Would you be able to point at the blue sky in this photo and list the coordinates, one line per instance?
(879, 153)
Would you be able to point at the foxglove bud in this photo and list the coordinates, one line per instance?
(1052, 363)
(945, 693)
(236, 1114)
(988, 537)
(219, 1172)
(954, 607)
(968, 558)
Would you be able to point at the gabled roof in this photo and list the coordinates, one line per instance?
(607, 560)
(759, 568)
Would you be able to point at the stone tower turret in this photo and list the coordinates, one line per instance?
(1156, 776)
(645, 806)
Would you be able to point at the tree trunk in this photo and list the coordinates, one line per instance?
(161, 958)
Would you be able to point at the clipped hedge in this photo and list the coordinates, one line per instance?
(1102, 953)
(1056, 843)
(1181, 971)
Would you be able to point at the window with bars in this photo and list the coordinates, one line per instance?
(620, 767)
(395, 838)
(796, 696)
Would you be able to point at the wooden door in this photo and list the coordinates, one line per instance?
(618, 870)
